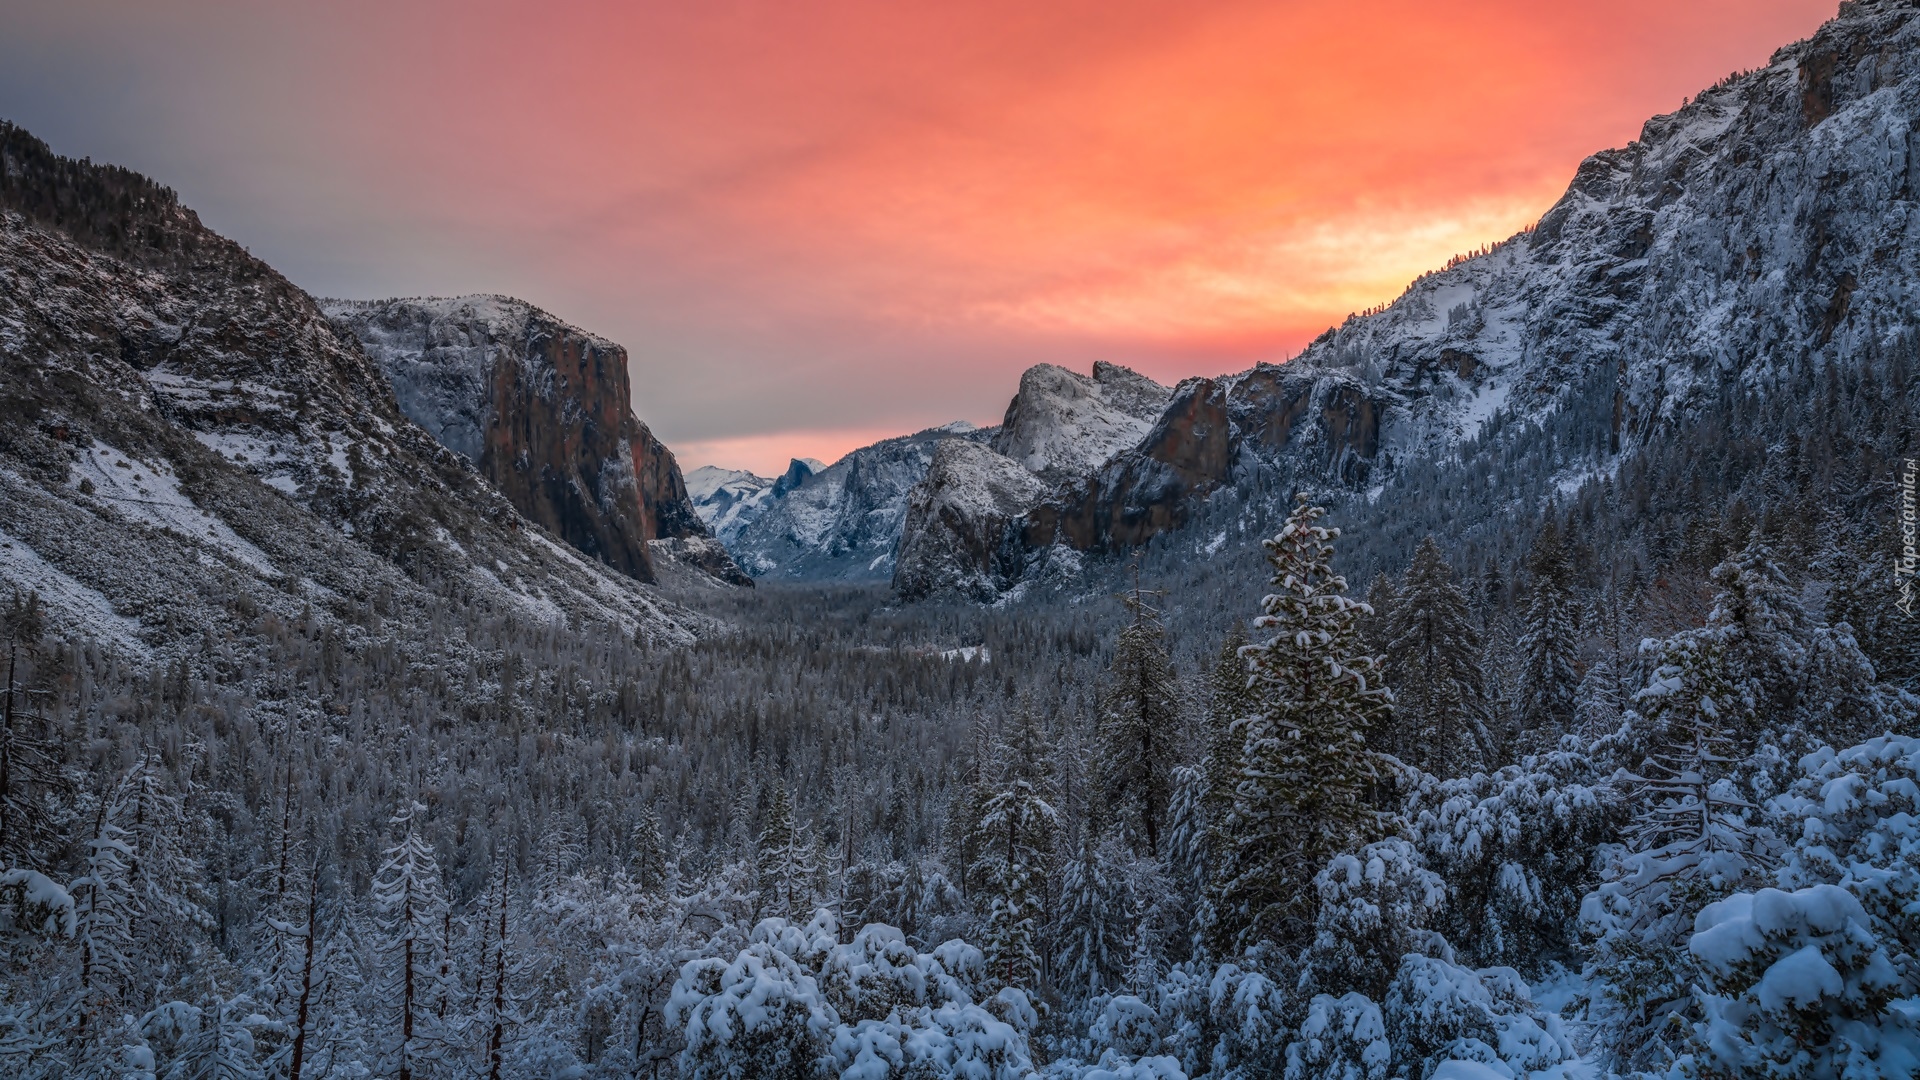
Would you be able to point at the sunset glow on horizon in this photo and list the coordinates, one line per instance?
(812, 223)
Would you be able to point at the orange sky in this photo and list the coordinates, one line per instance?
(812, 223)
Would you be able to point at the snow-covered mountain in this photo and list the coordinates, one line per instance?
(542, 409)
(1062, 425)
(187, 447)
(1766, 226)
(844, 521)
(729, 499)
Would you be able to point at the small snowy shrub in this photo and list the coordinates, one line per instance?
(1342, 1038)
(1374, 909)
(1802, 989)
(1437, 1012)
(1127, 1025)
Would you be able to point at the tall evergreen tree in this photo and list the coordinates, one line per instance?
(771, 853)
(1435, 663)
(1548, 645)
(1305, 770)
(649, 858)
(409, 900)
(1016, 832)
(30, 769)
(1139, 723)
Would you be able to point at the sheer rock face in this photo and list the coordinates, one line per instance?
(1145, 489)
(542, 410)
(188, 443)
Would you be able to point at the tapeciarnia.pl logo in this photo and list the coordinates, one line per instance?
(1909, 561)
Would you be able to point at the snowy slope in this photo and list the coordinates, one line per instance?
(1768, 222)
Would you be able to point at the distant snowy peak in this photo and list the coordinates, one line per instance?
(707, 481)
(729, 500)
(844, 520)
(1062, 424)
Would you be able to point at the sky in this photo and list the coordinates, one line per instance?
(815, 223)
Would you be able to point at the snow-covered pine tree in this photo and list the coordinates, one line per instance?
(1866, 596)
(409, 900)
(1305, 771)
(785, 859)
(30, 769)
(1230, 699)
(1139, 721)
(104, 911)
(1375, 630)
(1434, 662)
(493, 1010)
(1548, 645)
(1015, 838)
(1093, 924)
(1694, 839)
(293, 977)
(648, 861)
(168, 893)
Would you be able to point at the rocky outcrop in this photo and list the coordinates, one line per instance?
(541, 409)
(845, 521)
(1060, 428)
(1205, 434)
(957, 520)
(695, 562)
(1062, 425)
(1145, 490)
(189, 448)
